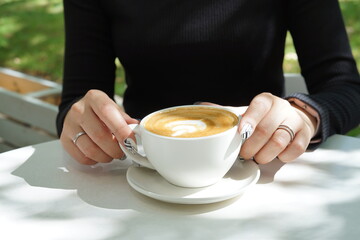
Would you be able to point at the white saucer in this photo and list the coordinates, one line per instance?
(148, 182)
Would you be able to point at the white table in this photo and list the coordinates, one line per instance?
(43, 195)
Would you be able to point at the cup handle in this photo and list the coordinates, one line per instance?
(129, 147)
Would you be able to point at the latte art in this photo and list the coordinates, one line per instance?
(189, 122)
(185, 127)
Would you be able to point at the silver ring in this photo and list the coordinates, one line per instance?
(77, 136)
(288, 130)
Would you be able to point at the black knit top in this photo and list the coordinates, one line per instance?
(177, 52)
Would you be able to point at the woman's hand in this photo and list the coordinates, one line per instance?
(104, 125)
(265, 114)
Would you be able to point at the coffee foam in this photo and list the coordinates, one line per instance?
(188, 122)
(185, 127)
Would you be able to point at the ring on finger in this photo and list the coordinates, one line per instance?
(288, 130)
(76, 137)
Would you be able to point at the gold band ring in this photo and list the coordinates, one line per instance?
(288, 130)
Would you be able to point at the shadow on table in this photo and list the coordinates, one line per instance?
(310, 206)
(104, 185)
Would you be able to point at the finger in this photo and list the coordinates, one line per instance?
(129, 119)
(296, 147)
(74, 152)
(110, 114)
(92, 151)
(71, 122)
(101, 135)
(266, 114)
(278, 142)
(257, 109)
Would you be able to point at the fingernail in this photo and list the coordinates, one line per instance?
(130, 145)
(246, 131)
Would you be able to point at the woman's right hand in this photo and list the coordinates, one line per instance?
(104, 125)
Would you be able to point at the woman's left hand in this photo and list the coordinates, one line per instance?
(273, 119)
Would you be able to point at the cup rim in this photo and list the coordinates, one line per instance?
(192, 138)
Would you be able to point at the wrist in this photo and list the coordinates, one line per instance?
(311, 114)
(311, 120)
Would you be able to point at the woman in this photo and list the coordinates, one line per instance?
(229, 52)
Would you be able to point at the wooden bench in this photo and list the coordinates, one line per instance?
(28, 108)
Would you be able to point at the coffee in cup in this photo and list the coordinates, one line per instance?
(190, 146)
(191, 122)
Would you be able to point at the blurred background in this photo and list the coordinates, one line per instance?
(32, 38)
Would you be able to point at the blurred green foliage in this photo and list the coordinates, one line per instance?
(32, 37)
(354, 132)
(351, 14)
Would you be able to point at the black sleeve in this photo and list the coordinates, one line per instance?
(326, 63)
(89, 57)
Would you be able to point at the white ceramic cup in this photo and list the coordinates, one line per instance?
(186, 162)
